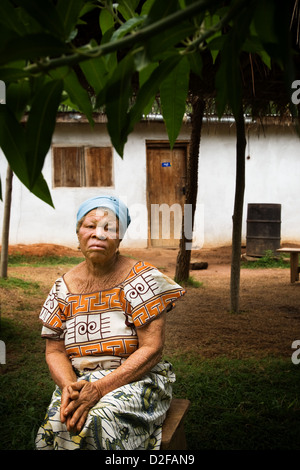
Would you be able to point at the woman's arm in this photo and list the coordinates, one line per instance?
(62, 373)
(59, 364)
(151, 341)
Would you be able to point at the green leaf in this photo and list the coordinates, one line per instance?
(149, 89)
(41, 190)
(45, 13)
(36, 84)
(173, 36)
(106, 21)
(228, 77)
(40, 126)
(78, 96)
(275, 34)
(146, 72)
(95, 72)
(9, 18)
(7, 35)
(127, 27)
(265, 58)
(264, 21)
(147, 7)
(127, 8)
(88, 7)
(69, 13)
(117, 102)
(228, 81)
(173, 95)
(160, 9)
(217, 43)
(111, 61)
(12, 142)
(17, 97)
(31, 47)
(253, 45)
(11, 74)
(141, 60)
(195, 60)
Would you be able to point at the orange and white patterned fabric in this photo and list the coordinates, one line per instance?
(99, 328)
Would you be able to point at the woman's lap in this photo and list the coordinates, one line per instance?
(128, 418)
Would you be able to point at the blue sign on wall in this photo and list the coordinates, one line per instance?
(164, 164)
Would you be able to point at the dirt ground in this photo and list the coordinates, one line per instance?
(268, 324)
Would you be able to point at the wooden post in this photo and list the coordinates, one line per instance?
(184, 253)
(238, 213)
(6, 220)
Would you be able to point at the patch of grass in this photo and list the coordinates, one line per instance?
(53, 260)
(239, 404)
(236, 404)
(25, 384)
(16, 283)
(269, 260)
(191, 282)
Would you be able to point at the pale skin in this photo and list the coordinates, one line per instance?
(102, 268)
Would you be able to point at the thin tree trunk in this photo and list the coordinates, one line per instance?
(238, 213)
(184, 254)
(6, 220)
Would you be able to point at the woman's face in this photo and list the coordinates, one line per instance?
(98, 235)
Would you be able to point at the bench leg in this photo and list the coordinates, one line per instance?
(294, 267)
(173, 435)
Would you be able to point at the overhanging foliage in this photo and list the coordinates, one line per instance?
(94, 53)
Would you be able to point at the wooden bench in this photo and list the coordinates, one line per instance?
(173, 435)
(294, 258)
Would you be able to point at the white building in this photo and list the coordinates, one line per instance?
(81, 164)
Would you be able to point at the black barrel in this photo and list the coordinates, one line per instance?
(263, 228)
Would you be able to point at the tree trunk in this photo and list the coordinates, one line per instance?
(238, 213)
(184, 254)
(6, 219)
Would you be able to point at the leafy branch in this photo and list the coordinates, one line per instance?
(89, 52)
(235, 10)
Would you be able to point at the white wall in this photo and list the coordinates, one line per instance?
(272, 175)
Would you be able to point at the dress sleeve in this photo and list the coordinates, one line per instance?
(149, 294)
(52, 314)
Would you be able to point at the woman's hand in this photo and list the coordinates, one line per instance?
(77, 399)
(66, 397)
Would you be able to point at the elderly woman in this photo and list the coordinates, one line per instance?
(104, 324)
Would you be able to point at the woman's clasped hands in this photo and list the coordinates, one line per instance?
(76, 401)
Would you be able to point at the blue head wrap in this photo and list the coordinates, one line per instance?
(109, 202)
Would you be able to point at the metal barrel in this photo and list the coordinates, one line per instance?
(263, 229)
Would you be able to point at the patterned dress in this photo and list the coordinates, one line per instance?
(99, 332)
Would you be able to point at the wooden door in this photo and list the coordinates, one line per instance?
(166, 179)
